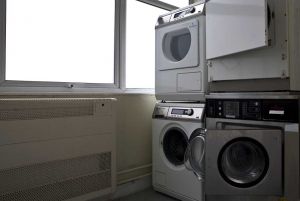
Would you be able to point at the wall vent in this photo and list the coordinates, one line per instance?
(29, 109)
(57, 180)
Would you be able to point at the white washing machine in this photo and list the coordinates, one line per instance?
(180, 65)
(173, 126)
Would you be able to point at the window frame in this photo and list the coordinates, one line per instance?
(119, 85)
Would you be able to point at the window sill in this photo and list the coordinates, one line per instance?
(70, 91)
(139, 91)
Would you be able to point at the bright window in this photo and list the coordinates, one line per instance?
(177, 3)
(140, 44)
(60, 40)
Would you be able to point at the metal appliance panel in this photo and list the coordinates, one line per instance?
(269, 62)
(185, 111)
(186, 12)
(276, 65)
(234, 26)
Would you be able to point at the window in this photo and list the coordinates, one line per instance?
(54, 45)
(60, 41)
(140, 44)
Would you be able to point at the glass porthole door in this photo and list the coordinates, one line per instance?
(177, 45)
(195, 154)
(174, 145)
(243, 162)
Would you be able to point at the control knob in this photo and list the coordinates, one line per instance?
(192, 10)
(190, 112)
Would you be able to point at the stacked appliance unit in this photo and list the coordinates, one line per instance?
(252, 120)
(252, 49)
(180, 85)
(57, 148)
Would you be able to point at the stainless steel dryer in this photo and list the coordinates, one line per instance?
(180, 68)
(252, 147)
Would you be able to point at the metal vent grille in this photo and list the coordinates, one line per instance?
(57, 180)
(29, 109)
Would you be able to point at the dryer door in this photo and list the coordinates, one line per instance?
(177, 45)
(195, 153)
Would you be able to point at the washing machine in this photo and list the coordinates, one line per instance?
(180, 65)
(252, 147)
(173, 126)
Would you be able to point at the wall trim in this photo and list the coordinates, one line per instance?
(132, 187)
(132, 174)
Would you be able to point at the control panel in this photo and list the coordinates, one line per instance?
(195, 113)
(181, 13)
(281, 110)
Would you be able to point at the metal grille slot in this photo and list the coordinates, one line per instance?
(31, 109)
(62, 190)
(57, 180)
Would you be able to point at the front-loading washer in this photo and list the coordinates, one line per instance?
(252, 147)
(173, 125)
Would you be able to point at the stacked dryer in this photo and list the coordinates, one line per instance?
(180, 88)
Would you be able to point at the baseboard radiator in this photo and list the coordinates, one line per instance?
(57, 149)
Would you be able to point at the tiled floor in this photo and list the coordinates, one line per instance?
(147, 195)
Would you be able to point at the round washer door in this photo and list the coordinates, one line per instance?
(174, 144)
(243, 162)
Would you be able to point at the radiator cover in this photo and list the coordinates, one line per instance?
(56, 149)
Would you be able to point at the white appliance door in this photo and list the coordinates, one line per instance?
(177, 45)
(234, 26)
(195, 154)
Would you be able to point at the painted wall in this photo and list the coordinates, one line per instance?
(134, 138)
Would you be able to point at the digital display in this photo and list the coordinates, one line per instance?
(178, 111)
(279, 112)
